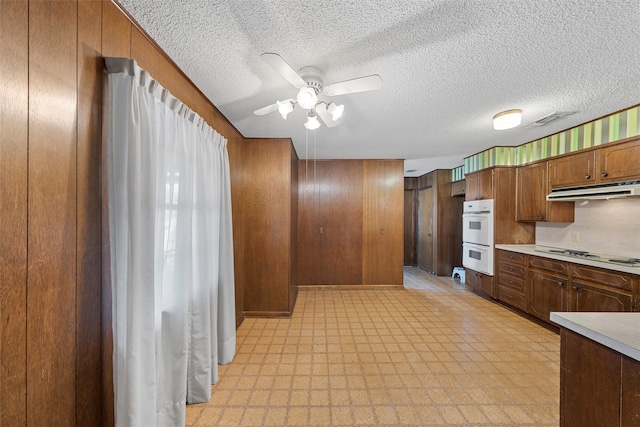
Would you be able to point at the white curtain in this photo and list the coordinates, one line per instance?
(171, 250)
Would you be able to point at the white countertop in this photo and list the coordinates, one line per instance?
(531, 250)
(618, 331)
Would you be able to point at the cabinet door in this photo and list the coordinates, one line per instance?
(471, 187)
(547, 293)
(382, 250)
(587, 297)
(458, 188)
(426, 218)
(574, 170)
(619, 162)
(485, 184)
(481, 283)
(531, 190)
(330, 223)
(531, 193)
(589, 382)
(479, 185)
(410, 230)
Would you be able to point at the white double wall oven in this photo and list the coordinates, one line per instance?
(477, 235)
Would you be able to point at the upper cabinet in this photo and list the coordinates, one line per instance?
(479, 185)
(458, 188)
(531, 192)
(574, 170)
(610, 163)
(619, 162)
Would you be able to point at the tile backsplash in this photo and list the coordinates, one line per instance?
(605, 226)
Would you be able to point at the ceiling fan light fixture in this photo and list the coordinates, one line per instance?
(335, 111)
(307, 98)
(507, 119)
(284, 108)
(312, 122)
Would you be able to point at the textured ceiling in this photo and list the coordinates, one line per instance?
(447, 67)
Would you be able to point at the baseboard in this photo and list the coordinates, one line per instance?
(346, 287)
(267, 314)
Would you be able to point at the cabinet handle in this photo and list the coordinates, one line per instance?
(541, 216)
(604, 173)
(575, 287)
(560, 282)
(587, 176)
(321, 230)
(382, 231)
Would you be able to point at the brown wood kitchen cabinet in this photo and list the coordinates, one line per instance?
(479, 185)
(619, 162)
(479, 282)
(532, 187)
(609, 163)
(512, 276)
(382, 224)
(350, 222)
(547, 287)
(458, 188)
(596, 289)
(270, 220)
(598, 385)
(573, 170)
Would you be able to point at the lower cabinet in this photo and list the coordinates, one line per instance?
(548, 281)
(596, 289)
(588, 297)
(598, 385)
(540, 285)
(547, 293)
(512, 273)
(480, 282)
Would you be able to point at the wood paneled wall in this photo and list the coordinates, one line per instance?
(330, 222)
(350, 222)
(269, 203)
(55, 312)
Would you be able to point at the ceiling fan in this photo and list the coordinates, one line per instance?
(310, 84)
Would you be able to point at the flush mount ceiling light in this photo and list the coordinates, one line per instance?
(507, 119)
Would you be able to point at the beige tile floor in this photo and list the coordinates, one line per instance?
(430, 354)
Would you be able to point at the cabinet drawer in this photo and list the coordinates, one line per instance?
(548, 264)
(515, 270)
(512, 257)
(515, 283)
(610, 278)
(479, 282)
(512, 298)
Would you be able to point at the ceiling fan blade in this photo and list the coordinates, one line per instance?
(284, 69)
(326, 116)
(266, 110)
(360, 84)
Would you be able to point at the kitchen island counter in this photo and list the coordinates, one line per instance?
(617, 331)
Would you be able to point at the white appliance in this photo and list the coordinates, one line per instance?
(477, 235)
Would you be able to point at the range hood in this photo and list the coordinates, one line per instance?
(595, 192)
